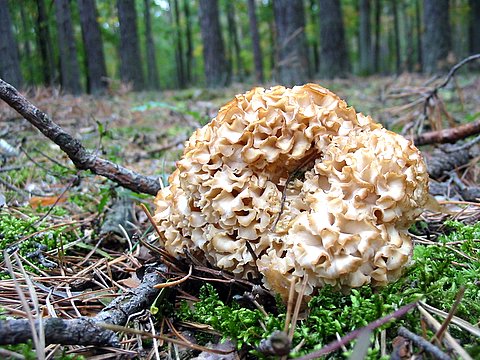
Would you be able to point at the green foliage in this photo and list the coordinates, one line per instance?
(435, 276)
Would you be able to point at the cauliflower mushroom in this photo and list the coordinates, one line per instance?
(292, 183)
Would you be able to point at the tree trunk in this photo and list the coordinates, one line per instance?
(26, 46)
(213, 48)
(418, 22)
(365, 38)
(333, 51)
(153, 81)
(188, 35)
(396, 35)
(130, 62)
(409, 35)
(436, 38)
(257, 50)
(291, 43)
(9, 59)
(315, 52)
(378, 25)
(69, 70)
(233, 37)
(92, 42)
(474, 27)
(179, 46)
(45, 45)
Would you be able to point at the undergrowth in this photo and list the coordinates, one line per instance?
(435, 276)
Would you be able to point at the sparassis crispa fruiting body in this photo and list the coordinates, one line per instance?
(316, 189)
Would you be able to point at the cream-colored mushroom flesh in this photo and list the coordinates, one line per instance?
(291, 183)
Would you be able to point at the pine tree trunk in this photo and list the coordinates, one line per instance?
(418, 23)
(257, 50)
(436, 38)
(315, 51)
(131, 70)
(153, 81)
(45, 45)
(233, 39)
(27, 47)
(69, 70)
(474, 27)
(179, 47)
(365, 38)
(213, 49)
(9, 59)
(93, 45)
(188, 35)
(396, 34)
(378, 25)
(291, 43)
(333, 54)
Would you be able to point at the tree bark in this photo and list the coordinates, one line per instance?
(396, 35)
(418, 23)
(92, 41)
(292, 62)
(474, 27)
(233, 40)
(257, 50)
(153, 81)
(81, 158)
(26, 45)
(213, 49)
(378, 26)
(9, 59)
(131, 70)
(436, 37)
(333, 50)
(45, 45)
(69, 70)
(179, 46)
(188, 35)
(315, 66)
(365, 47)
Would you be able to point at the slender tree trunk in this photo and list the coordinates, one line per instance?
(273, 39)
(233, 39)
(45, 45)
(291, 42)
(213, 48)
(315, 50)
(365, 38)
(9, 59)
(474, 27)
(436, 38)
(418, 22)
(131, 70)
(179, 47)
(410, 53)
(333, 53)
(93, 45)
(378, 25)
(26, 45)
(188, 35)
(257, 50)
(153, 81)
(69, 70)
(396, 34)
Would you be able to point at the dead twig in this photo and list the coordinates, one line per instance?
(423, 344)
(82, 159)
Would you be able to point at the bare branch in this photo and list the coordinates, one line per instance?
(81, 157)
(447, 135)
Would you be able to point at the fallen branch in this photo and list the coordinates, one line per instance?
(84, 330)
(423, 344)
(81, 158)
(451, 135)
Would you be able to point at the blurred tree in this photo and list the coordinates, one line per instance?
(188, 36)
(233, 46)
(153, 81)
(333, 50)
(315, 64)
(215, 66)
(292, 62)
(436, 37)
(474, 27)
(45, 44)
(26, 46)
(179, 46)
(365, 38)
(9, 60)
(396, 35)
(93, 45)
(69, 70)
(130, 61)
(257, 50)
(418, 22)
(378, 26)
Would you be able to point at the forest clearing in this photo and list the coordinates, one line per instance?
(305, 185)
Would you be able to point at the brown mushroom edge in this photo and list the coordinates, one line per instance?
(315, 188)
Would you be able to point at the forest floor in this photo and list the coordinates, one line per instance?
(72, 241)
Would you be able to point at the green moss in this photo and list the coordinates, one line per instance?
(435, 276)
